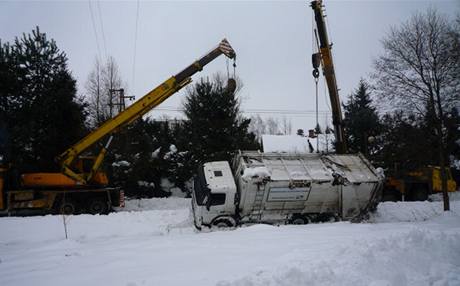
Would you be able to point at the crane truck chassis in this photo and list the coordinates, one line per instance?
(279, 188)
(81, 185)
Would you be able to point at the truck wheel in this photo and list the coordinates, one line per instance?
(327, 217)
(97, 206)
(222, 223)
(299, 220)
(68, 208)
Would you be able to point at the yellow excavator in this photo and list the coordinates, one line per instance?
(82, 186)
(416, 185)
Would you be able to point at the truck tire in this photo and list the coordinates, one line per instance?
(222, 223)
(299, 219)
(97, 206)
(327, 217)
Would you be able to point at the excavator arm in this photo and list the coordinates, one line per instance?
(329, 73)
(136, 110)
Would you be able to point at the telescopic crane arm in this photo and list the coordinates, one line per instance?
(329, 73)
(135, 111)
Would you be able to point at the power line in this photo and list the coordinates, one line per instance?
(135, 45)
(102, 27)
(260, 111)
(95, 30)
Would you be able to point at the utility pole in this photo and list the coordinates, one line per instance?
(120, 102)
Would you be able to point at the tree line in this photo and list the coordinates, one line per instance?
(405, 116)
(408, 116)
(41, 116)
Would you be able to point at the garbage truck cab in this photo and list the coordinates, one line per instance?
(214, 195)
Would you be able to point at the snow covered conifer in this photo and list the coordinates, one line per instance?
(215, 128)
(361, 120)
(39, 103)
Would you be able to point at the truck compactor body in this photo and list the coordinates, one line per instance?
(280, 188)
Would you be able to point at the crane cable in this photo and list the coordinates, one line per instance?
(316, 64)
(135, 45)
(316, 112)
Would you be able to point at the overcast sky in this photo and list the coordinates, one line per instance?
(273, 41)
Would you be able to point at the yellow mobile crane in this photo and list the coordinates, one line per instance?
(324, 57)
(405, 185)
(81, 185)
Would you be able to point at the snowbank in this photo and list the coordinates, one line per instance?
(158, 246)
(453, 196)
(171, 203)
(159, 216)
(410, 211)
(416, 257)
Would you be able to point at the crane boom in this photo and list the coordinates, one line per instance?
(329, 74)
(135, 111)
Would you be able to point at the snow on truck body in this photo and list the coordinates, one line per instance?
(283, 188)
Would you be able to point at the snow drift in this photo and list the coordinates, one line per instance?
(153, 242)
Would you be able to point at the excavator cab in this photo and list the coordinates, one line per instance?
(437, 182)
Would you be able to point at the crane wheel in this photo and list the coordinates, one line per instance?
(68, 207)
(98, 206)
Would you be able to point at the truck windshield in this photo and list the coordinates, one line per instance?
(200, 188)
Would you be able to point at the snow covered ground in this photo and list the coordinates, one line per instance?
(153, 242)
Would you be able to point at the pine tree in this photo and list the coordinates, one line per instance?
(214, 128)
(405, 146)
(361, 120)
(38, 102)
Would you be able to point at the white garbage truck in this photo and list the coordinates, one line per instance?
(283, 188)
